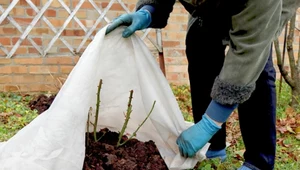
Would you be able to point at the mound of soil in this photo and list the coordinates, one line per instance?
(104, 153)
(133, 155)
(41, 103)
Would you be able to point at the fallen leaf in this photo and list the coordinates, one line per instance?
(282, 129)
(288, 128)
(239, 154)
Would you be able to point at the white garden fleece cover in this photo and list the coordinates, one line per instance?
(55, 140)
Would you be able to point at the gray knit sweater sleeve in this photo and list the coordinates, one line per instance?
(253, 31)
(163, 8)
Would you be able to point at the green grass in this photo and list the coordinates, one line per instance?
(15, 114)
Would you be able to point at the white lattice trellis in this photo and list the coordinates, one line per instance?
(57, 33)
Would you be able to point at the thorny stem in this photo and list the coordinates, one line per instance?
(97, 110)
(134, 133)
(127, 117)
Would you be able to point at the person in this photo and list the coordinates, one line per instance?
(241, 78)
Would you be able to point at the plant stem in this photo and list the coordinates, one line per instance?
(134, 133)
(97, 110)
(127, 117)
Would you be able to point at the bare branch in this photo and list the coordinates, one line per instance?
(290, 50)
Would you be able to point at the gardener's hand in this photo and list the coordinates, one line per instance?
(135, 21)
(195, 137)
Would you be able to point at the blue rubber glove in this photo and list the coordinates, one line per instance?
(135, 21)
(195, 137)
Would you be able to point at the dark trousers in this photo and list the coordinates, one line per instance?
(257, 116)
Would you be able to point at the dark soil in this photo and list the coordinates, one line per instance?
(41, 103)
(105, 155)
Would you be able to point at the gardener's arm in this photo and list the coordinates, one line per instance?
(149, 14)
(253, 31)
(160, 11)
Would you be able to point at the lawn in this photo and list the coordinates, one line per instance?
(15, 114)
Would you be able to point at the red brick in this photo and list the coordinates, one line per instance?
(50, 13)
(176, 35)
(64, 50)
(5, 2)
(175, 60)
(43, 88)
(114, 7)
(5, 79)
(24, 3)
(58, 60)
(11, 88)
(25, 79)
(85, 5)
(58, 80)
(76, 58)
(178, 18)
(24, 88)
(18, 11)
(28, 60)
(174, 52)
(5, 61)
(15, 88)
(10, 31)
(62, 13)
(171, 44)
(173, 27)
(39, 31)
(51, 79)
(5, 70)
(172, 76)
(43, 69)
(19, 69)
(24, 20)
(5, 41)
(77, 42)
(21, 50)
(30, 12)
(73, 33)
(58, 22)
(26, 42)
(33, 50)
(81, 14)
(176, 68)
(66, 69)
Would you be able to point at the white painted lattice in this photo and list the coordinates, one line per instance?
(57, 32)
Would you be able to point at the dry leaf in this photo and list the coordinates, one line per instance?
(288, 128)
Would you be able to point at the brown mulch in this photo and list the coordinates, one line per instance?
(41, 103)
(104, 153)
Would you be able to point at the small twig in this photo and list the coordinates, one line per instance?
(97, 110)
(88, 126)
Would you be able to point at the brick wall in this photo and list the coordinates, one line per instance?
(29, 70)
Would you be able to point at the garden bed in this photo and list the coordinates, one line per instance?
(104, 153)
